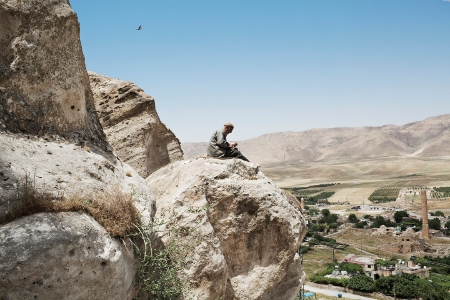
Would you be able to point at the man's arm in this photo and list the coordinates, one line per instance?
(222, 140)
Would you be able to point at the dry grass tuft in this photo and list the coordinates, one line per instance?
(113, 209)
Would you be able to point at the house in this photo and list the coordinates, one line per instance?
(367, 263)
(375, 271)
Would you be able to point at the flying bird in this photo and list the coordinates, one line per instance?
(139, 28)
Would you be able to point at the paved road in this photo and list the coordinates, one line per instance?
(334, 293)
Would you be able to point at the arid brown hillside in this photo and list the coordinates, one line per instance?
(428, 138)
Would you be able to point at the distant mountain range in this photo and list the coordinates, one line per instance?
(428, 138)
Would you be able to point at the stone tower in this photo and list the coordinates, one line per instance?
(425, 231)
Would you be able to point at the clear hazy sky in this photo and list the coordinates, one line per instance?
(271, 66)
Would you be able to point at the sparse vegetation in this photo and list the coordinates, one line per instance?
(385, 194)
(113, 209)
(321, 240)
(159, 264)
(158, 274)
(441, 192)
(312, 196)
(399, 215)
(380, 220)
(437, 213)
(352, 218)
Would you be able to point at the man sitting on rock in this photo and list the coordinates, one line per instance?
(219, 147)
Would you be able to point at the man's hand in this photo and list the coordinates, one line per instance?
(232, 145)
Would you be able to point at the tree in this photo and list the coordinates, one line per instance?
(399, 215)
(438, 213)
(434, 224)
(325, 212)
(351, 268)
(447, 225)
(362, 283)
(352, 218)
(380, 220)
(368, 217)
(404, 287)
(331, 218)
(360, 224)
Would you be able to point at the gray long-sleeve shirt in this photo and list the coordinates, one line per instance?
(217, 144)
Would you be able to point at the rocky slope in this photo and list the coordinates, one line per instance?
(132, 125)
(248, 230)
(428, 138)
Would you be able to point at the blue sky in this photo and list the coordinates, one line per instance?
(271, 66)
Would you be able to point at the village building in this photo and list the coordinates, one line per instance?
(375, 271)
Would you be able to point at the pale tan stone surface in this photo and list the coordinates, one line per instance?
(64, 256)
(132, 125)
(44, 86)
(61, 168)
(249, 228)
(50, 138)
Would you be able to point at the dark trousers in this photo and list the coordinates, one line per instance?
(234, 152)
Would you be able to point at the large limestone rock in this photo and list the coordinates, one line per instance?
(62, 168)
(63, 256)
(248, 228)
(132, 125)
(44, 86)
(46, 105)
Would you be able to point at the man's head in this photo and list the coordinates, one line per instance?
(228, 128)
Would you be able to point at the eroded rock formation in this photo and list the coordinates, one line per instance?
(52, 142)
(63, 256)
(44, 86)
(132, 125)
(60, 168)
(248, 232)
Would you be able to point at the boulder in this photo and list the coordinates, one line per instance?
(247, 230)
(64, 256)
(60, 169)
(44, 85)
(132, 125)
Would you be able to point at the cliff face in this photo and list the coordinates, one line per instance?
(52, 143)
(44, 86)
(248, 230)
(132, 125)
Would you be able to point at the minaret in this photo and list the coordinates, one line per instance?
(425, 231)
(302, 204)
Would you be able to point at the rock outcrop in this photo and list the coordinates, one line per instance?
(63, 256)
(132, 125)
(61, 168)
(248, 229)
(44, 85)
(52, 142)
